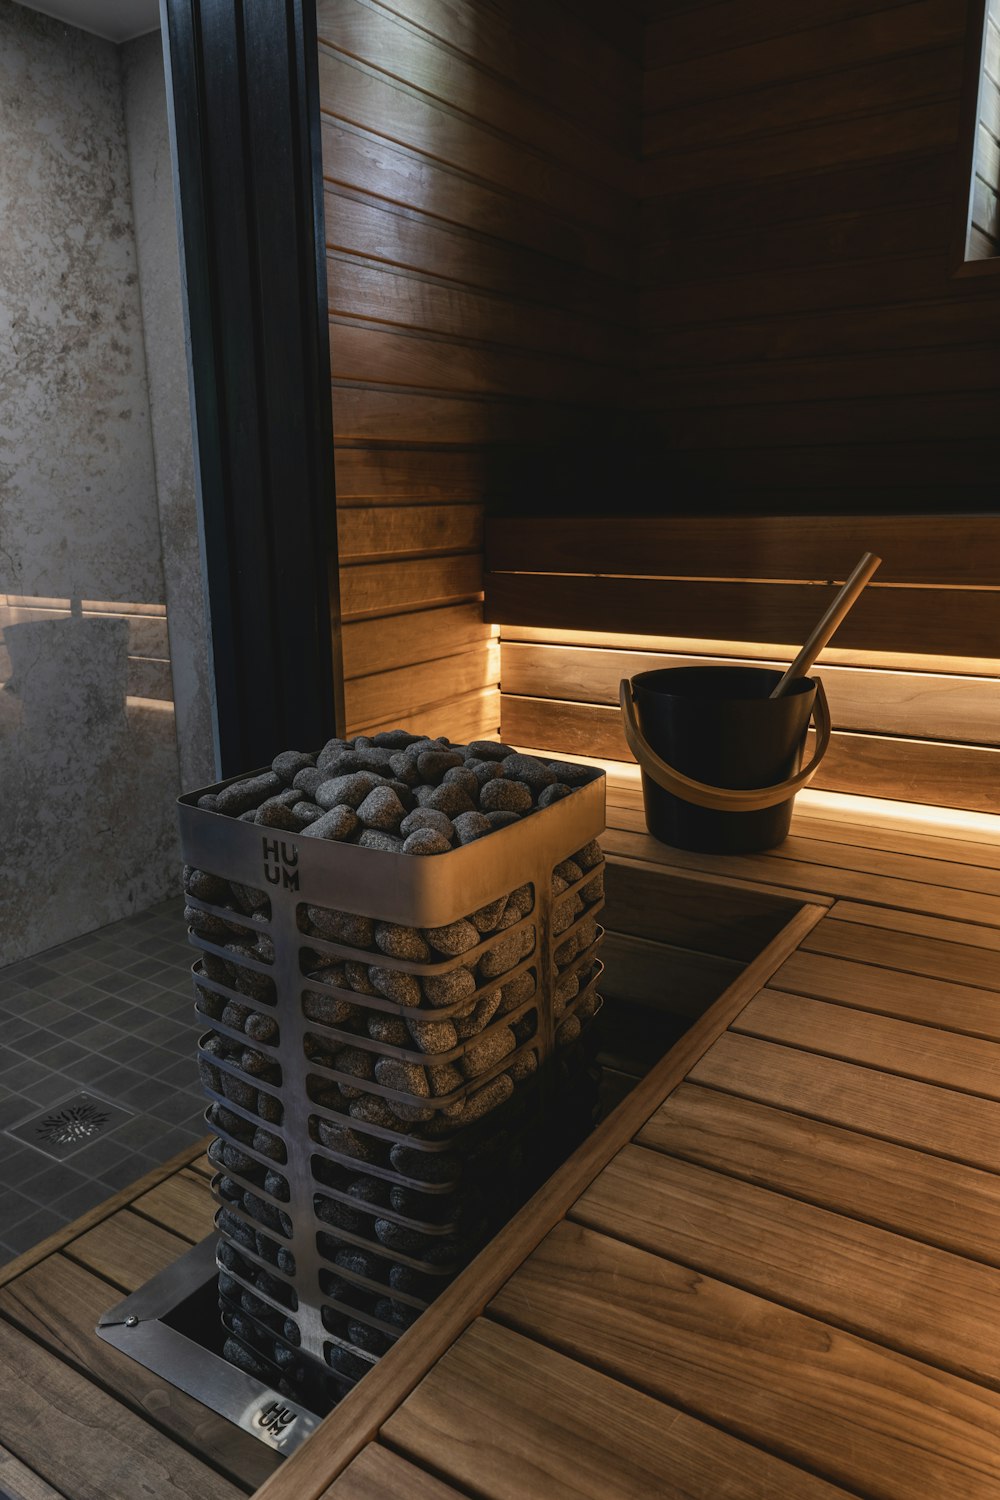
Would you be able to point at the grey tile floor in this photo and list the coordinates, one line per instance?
(112, 1013)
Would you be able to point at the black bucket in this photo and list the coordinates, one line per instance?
(719, 757)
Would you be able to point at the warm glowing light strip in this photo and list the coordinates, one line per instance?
(971, 666)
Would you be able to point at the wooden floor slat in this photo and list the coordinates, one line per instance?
(937, 1120)
(947, 1058)
(378, 1474)
(925, 1302)
(940, 1202)
(836, 1404)
(571, 1433)
(856, 885)
(19, 1483)
(127, 1250)
(59, 1303)
(909, 997)
(183, 1204)
(963, 954)
(82, 1441)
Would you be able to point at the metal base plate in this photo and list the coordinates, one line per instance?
(171, 1326)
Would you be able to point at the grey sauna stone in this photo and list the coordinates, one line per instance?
(239, 1091)
(235, 1354)
(396, 941)
(374, 838)
(346, 927)
(403, 792)
(425, 1166)
(426, 841)
(517, 991)
(568, 1031)
(394, 739)
(501, 795)
(249, 898)
(243, 795)
(480, 1016)
(277, 812)
(371, 1339)
(250, 816)
(456, 937)
(327, 1095)
(567, 951)
(269, 1145)
(205, 887)
(309, 780)
(444, 1079)
(356, 1062)
(207, 925)
(483, 770)
(403, 766)
(587, 1006)
(502, 819)
(396, 985)
(405, 1077)
(276, 1185)
(348, 791)
(261, 1028)
(569, 870)
(390, 1311)
(566, 990)
(554, 793)
(504, 957)
(331, 750)
(528, 769)
(587, 932)
(209, 802)
(488, 1098)
(471, 826)
(337, 824)
(449, 989)
(235, 1015)
(486, 918)
(590, 856)
(425, 817)
(389, 1029)
(368, 1190)
(357, 978)
(463, 777)
(433, 1036)
(340, 1215)
(573, 775)
(489, 750)
(522, 1067)
(305, 813)
(347, 1142)
(289, 763)
(373, 758)
(382, 809)
(485, 1054)
(372, 1109)
(432, 764)
(398, 1237)
(330, 1010)
(447, 799)
(341, 763)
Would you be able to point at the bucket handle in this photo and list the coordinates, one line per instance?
(722, 798)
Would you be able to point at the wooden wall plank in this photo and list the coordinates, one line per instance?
(423, 684)
(386, 475)
(380, 644)
(963, 621)
(683, 33)
(914, 549)
(394, 587)
(964, 709)
(365, 533)
(476, 716)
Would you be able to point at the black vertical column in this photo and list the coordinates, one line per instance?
(245, 101)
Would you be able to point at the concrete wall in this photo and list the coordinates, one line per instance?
(88, 759)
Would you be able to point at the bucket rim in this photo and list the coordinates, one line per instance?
(643, 682)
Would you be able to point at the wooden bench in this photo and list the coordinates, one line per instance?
(773, 1268)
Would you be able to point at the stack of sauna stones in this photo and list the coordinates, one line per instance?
(474, 1026)
(400, 792)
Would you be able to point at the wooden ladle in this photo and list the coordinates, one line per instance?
(831, 620)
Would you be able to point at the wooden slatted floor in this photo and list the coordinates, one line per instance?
(773, 1272)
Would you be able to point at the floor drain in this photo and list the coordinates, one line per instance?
(60, 1129)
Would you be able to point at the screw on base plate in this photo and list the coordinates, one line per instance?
(131, 1321)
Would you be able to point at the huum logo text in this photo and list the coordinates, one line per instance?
(280, 860)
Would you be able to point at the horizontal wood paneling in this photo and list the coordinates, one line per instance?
(800, 161)
(914, 549)
(477, 207)
(963, 621)
(966, 709)
(910, 770)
